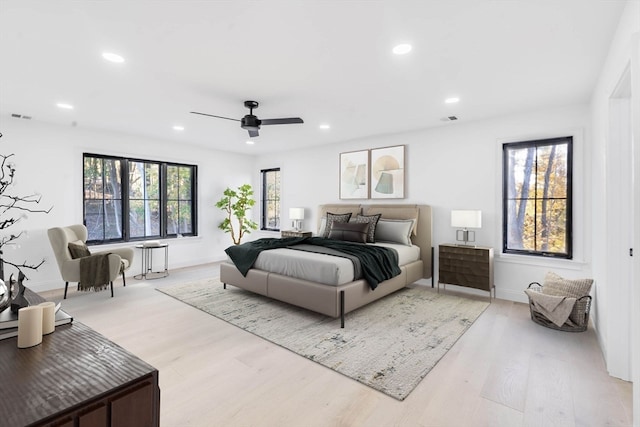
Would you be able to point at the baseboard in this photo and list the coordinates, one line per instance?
(506, 294)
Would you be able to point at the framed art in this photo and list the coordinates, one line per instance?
(387, 172)
(354, 175)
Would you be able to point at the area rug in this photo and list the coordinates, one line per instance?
(389, 345)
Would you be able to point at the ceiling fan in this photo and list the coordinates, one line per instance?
(253, 123)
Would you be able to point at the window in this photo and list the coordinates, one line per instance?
(537, 199)
(133, 199)
(270, 215)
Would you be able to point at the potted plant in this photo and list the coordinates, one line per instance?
(236, 204)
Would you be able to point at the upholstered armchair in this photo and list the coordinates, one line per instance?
(120, 259)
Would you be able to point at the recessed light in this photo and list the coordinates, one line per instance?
(64, 106)
(452, 100)
(178, 127)
(249, 142)
(113, 57)
(402, 49)
(324, 126)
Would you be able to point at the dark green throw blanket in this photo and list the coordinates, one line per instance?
(378, 263)
(94, 272)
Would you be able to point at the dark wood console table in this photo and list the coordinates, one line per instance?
(76, 377)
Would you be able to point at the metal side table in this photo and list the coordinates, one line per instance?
(147, 261)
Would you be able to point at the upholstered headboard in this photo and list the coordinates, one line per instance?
(422, 232)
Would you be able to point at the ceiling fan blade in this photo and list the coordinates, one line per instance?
(287, 121)
(211, 115)
(253, 133)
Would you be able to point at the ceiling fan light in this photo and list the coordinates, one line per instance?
(452, 100)
(250, 142)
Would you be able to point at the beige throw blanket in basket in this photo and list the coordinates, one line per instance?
(555, 308)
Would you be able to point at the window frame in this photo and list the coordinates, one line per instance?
(125, 197)
(536, 143)
(264, 200)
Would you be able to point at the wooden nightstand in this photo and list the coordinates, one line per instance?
(294, 233)
(470, 266)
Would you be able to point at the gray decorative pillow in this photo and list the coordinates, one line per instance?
(349, 231)
(394, 231)
(372, 220)
(335, 218)
(559, 286)
(78, 249)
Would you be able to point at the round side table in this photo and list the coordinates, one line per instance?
(146, 262)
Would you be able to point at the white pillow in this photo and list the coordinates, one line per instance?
(394, 230)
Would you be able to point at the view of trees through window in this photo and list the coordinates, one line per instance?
(103, 198)
(270, 215)
(537, 197)
(144, 199)
(158, 198)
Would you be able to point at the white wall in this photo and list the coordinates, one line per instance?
(456, 166)
(49, 161)
(614, 298)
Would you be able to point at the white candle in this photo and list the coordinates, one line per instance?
(48, 317)
(29, 326)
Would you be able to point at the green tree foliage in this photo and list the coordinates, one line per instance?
(236, 204)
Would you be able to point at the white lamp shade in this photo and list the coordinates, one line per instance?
(466, 219)
(296, 213)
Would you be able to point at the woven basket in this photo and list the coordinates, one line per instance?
(578, 320)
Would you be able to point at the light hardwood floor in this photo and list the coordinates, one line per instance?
(504, 371)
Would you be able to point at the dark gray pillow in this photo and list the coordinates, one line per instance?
(372, 220)
(349, 231)
(78, 249)
(335, 218)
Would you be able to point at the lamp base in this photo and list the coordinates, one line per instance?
(467, 236)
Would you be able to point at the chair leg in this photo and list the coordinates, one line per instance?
(124, 281)
(66, 286)
(111, 289)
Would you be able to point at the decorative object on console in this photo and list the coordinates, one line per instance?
(29, 326)
(16, 289)
(13, 209)
(236, 204)
(296, 215)
(466, 219)
(354, 173)
(387, 172)
(48, 317)
(5, 296)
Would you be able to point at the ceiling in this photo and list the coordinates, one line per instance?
(325, 61)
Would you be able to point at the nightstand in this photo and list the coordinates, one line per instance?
(469, 266)
(294, 233)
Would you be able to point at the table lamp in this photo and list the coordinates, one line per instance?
(296, 215)
(466, 219)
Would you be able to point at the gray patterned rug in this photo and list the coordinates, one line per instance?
(389, 345)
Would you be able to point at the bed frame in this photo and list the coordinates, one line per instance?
(336, 301)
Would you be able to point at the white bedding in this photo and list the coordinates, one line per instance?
(320, 268)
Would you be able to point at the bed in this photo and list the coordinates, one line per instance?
(345, 295)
